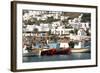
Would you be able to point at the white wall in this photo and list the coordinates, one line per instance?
(5, 37)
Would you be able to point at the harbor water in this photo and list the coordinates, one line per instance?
(73, 56)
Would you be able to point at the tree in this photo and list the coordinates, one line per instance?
(86, 17)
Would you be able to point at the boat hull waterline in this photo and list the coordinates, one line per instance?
(50, 52)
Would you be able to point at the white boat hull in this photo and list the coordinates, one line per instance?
(80, 50)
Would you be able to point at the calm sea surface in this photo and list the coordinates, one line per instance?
(73, 56)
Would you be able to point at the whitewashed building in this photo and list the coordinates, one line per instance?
(44, 27)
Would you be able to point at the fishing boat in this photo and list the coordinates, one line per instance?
(65, 51)
(54, 51)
